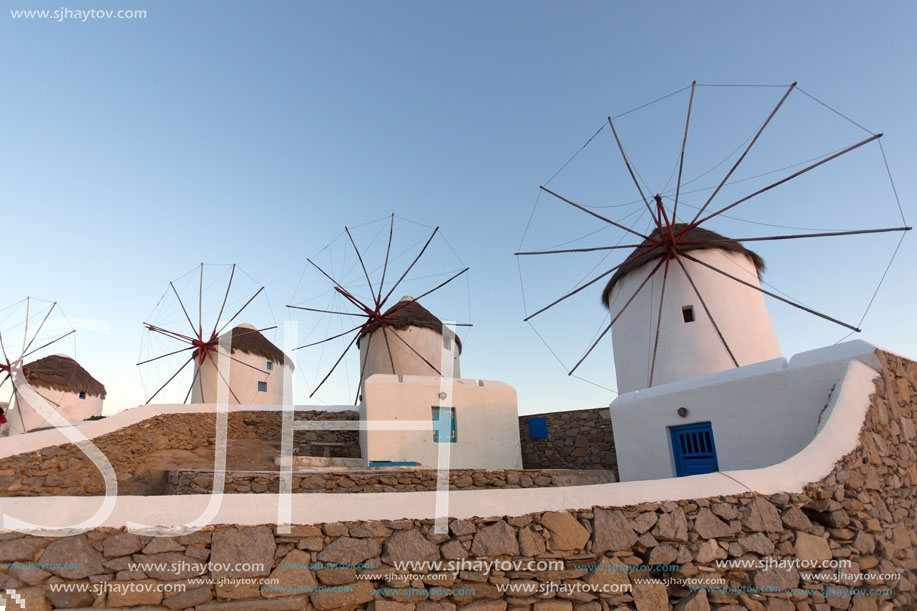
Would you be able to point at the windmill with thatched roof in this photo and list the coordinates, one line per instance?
(402, 339)
(63, 384)
(239, 366)
(257, 372)
(709, 321)
(29, 327)
(688, 301)
(421, 351)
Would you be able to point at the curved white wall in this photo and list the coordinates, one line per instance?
(688, 350)
(24, 417)
(243, 380)
(760, 415)
(427, 342)
(837, 435)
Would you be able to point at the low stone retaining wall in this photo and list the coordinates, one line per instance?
(341, 444)
(580, 439)
(381, 480)
(861, 516)
(65, 470)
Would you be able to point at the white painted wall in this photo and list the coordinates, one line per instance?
(688, 350)
(427, 342)
(487, 422)
(68, 405)
(243, 380)
(760, 414)
(838, 436)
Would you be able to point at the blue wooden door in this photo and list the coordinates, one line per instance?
(693, 448)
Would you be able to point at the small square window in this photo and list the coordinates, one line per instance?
(687, 313)
(262, 386)
(83, 394)
(269, 366)
(444, 424)
(538, 427)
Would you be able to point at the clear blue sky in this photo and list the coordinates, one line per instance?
(246, 132)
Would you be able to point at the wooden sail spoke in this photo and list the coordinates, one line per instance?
(665, 278)
(43, 321)
(162, 356)
(576, 290)
(707, 310)
(225, 381)
(596, 215)
(770, 294)
(782, 181)
(748, 148)
(357, 314)
(419, 355)
(52, 342)
(216, 323)
(411, 266)
(681, 161)
(245, 305)
(174, 375)
(615, 319)
(569, 250)
(629, 168)
(336, 363)
(328, 339)
(362, 265)
(388, 250)
(827, 234)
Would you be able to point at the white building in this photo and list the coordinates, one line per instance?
(63, 385)
(473, 424)
(412, 340)
(689, 345)
(257, 372)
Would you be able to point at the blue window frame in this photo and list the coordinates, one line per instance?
(444, 425)
(262, 386)
(269, 366)
(82, 394)
(538, 427)
(693, 449)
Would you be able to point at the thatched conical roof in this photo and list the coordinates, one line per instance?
(696, 238)
(59, 372)
(247, 339)
(409, 313)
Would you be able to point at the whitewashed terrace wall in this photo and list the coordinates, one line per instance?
(487, 422)
(837, 436)
(760, 414)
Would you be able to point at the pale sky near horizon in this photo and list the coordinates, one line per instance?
(132, 150)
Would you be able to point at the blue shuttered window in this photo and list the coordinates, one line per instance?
(444, 425)
(538, 427)
(693, 449)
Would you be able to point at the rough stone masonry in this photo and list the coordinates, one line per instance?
(863, 512)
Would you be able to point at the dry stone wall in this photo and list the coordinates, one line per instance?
(580, 439)
(339, 444)
(389, 480)
(861, 514)
(65, 470)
